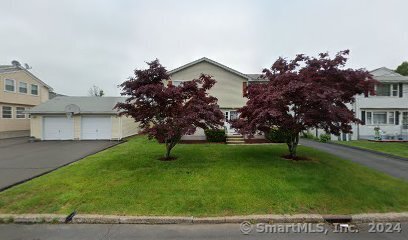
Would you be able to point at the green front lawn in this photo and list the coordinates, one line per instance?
(207, 180)
(394, 148)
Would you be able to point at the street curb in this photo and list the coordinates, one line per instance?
(370, 151)
(115, 219)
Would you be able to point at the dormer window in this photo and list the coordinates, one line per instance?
(387, 89)
(9, 85)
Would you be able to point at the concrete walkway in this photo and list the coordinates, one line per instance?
(392, 166)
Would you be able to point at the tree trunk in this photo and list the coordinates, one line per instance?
(170, 144)
(293, 142)
(168, 150)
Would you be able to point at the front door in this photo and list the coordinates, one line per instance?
(230, 115)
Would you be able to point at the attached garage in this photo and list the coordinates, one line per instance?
(96, 127)
(58, 128)
(80, 118)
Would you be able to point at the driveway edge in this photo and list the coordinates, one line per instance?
(115, 219)
(370, 151)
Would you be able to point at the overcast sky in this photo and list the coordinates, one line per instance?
(73, 45)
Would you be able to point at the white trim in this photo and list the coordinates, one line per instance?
(14, 83)
(204, 59)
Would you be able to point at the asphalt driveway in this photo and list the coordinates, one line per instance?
(21, 160)
(392, 166)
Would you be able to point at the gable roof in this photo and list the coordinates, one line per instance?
(384, 74)
(87, 105)
(204, 59)
(11, 68)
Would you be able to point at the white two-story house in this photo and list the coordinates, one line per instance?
(387, 110)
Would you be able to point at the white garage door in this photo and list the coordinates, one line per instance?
(96, 127)
(58, 128)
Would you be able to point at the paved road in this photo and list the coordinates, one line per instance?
(21, 160)
(392, 166)
(176, 231)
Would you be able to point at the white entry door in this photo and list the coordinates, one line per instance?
(230, 115)
(58, 128)
(96, 127)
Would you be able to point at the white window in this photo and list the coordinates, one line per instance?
(395, 90)
(380, 118)
(387, 89)
(369, 118)
(22, 87)
(20, 113)
(6, 112)
(177, 83)
(34, 89)
(9, 85)
(391, 117)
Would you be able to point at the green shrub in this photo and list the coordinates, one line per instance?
(324, 138)
(276, 135)
(215, 135)
(308, 135)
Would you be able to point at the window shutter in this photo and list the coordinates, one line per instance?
(363, 119)
(397, 113)
(400, 90)
(244, 88)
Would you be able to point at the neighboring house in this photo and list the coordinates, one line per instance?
(387, 110)
(229, 89)
(21, 90)
(80, 118)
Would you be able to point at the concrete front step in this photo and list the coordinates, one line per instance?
(234, 136)
(235, 140)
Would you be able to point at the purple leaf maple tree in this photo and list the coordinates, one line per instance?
(303, 93)
(167, 112)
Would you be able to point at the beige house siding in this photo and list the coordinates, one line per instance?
(116, 126)
(228, 88)
(15, 127)
(21, 98)
(129, 126)
(77, 127)
(36, 126)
